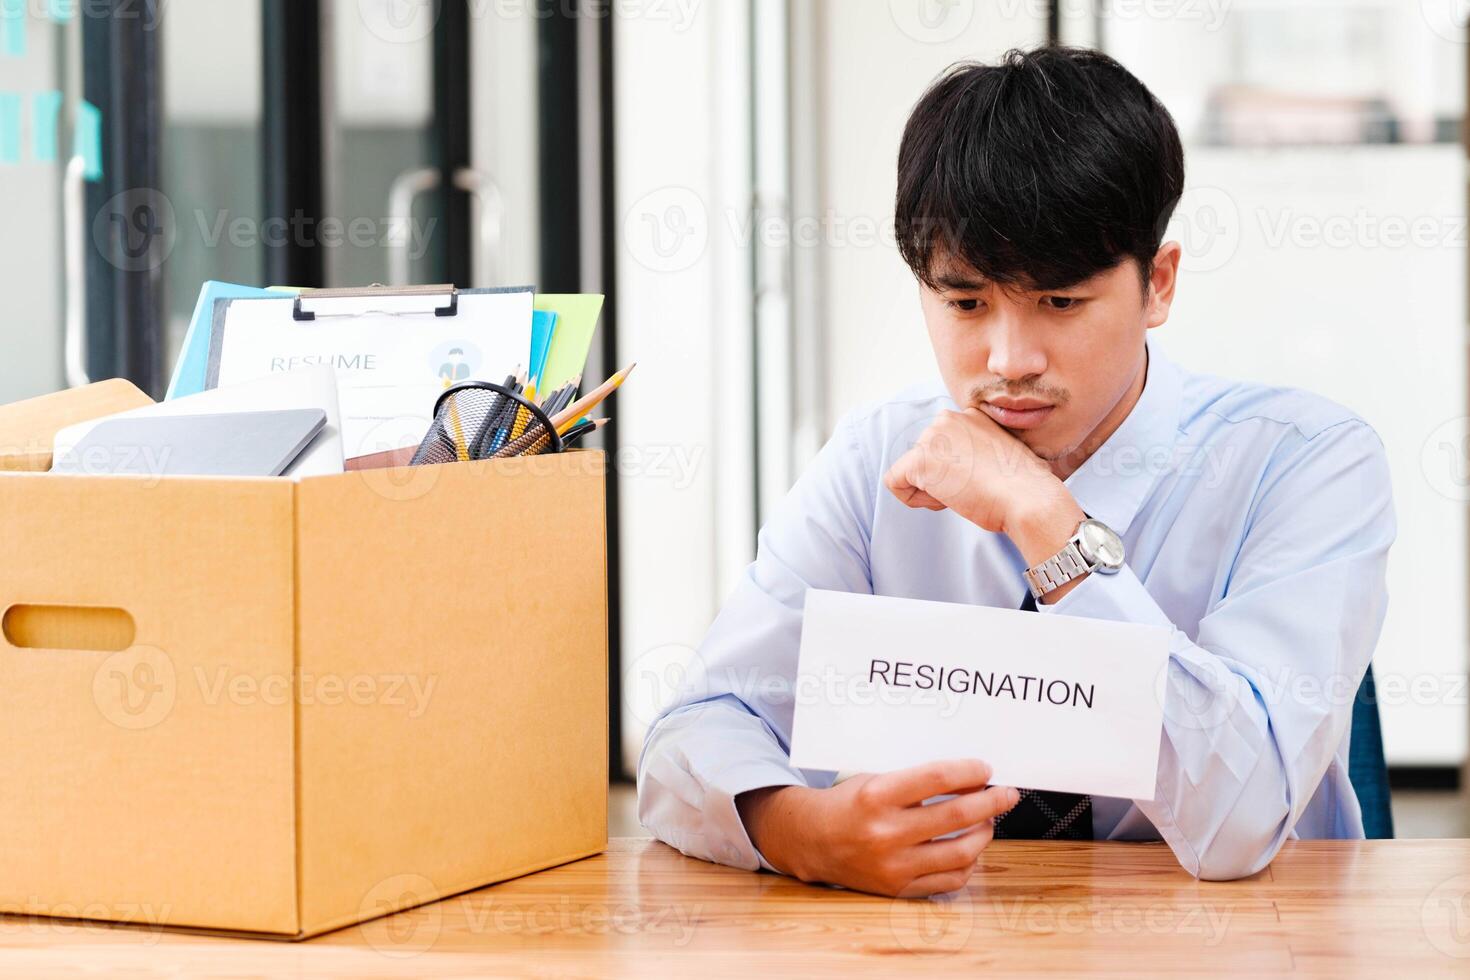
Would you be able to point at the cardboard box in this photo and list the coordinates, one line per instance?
(281, 708)
(28, 428)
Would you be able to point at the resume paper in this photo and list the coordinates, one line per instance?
(1051, 702)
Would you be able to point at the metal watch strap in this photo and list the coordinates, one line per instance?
(1057, 570)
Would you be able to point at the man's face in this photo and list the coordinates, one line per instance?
(1052, 367)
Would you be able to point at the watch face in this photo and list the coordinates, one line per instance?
(1100, 544)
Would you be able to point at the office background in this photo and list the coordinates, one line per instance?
(723, 169)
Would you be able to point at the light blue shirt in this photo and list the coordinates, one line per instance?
(1257, 523)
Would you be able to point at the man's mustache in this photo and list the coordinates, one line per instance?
(1055, 396)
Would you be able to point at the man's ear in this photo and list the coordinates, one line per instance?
(1161, 284)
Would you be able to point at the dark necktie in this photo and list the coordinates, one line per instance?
(1042, 815)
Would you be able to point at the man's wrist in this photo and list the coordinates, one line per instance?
(767, 814)
(1044, 528)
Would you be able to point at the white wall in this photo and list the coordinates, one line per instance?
(1342, 270)
(877, 60)
(30, 200)
(682, 91)
(206, 81)
(503, 78)
(1292, 292)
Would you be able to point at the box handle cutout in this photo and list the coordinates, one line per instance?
(100, 628)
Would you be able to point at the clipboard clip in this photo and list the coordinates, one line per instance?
(373, 292)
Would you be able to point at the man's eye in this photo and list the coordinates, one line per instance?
(1060, 303)
(964, 305)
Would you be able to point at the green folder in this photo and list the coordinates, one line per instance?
(576, 323)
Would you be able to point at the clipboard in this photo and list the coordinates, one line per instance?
(375, 291)
(394, 349)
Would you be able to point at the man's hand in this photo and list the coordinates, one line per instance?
(968, 463)
(873, 833)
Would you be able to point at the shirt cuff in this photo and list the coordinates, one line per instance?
(720, 803)
(1117, 596)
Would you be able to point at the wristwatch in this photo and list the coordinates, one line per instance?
(1093, 547)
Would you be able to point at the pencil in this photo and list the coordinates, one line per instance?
(565, 419)
(523, 414)
(486, 433)
(581, 429)
(568, 417)
(563, 395)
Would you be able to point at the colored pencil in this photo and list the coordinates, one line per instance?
(568, 416)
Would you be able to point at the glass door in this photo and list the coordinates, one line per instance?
(35, 54)
(430, 143)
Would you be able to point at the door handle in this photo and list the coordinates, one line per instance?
(492, 218)
(74, 335)
(405, 190)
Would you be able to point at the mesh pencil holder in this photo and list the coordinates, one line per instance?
(480, 420)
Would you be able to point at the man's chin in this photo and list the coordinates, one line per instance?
(1040, 442)
(1048, 447)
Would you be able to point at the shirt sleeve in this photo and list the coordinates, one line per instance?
(1258, 702)
(729, 729)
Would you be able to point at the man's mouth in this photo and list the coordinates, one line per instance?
(1018, 413)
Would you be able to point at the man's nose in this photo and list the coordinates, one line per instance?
(1014, 354)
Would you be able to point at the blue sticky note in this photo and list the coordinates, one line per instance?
(87, 141)
(543, 328)
(9, 127)
(45, 117)
(13, 28)
(193, 362)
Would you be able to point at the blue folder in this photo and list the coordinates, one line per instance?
(193, 362)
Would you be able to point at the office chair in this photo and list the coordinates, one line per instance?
(1367, 769)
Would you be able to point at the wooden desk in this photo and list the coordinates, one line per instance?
(1389, 908)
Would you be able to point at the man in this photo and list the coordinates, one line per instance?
(1253, 521)
(454, 370)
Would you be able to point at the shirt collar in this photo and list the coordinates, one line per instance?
(1115, 480)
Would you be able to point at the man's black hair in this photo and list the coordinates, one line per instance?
(1038, 172)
